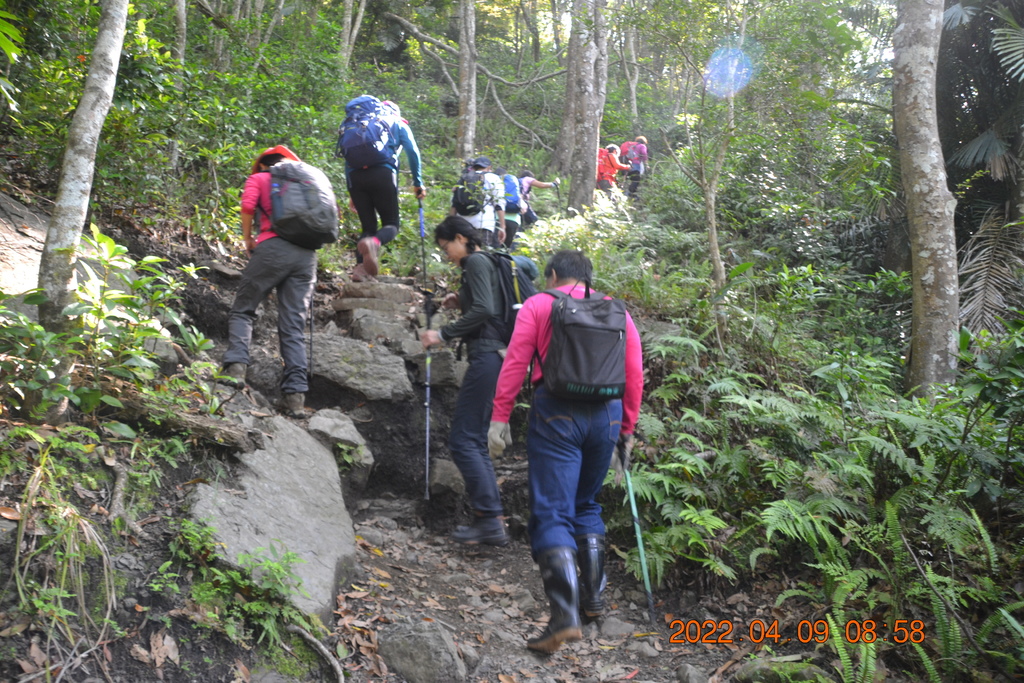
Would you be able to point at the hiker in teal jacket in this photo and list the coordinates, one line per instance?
(374, 190)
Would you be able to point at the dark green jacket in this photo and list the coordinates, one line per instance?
(480, 300)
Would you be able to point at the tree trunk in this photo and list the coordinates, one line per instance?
(466, 142)
(556, 30)
(930, 204)
(57, 264)
(350, 30)
(591, 91)
(574, 66)
(1016, 211)
(178, 53)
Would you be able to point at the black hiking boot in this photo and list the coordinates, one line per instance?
(293, 406)
(233, 375)
(590, 556)
(483, 531)
(558, 572)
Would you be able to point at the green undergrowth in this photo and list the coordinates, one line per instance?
(57, 478)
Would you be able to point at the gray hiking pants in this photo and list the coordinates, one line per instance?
(276, 263)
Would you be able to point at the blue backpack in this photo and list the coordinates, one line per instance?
(512, 194)
(364, 135)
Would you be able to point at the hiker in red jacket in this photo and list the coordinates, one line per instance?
(274, 264)
(608, 165)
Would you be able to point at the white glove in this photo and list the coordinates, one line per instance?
(499, 437)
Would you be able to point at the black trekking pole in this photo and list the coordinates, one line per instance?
(639, 534)
(558, 193)
(428, 306)
(309, 370)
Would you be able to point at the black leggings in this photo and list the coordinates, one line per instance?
(374, 191)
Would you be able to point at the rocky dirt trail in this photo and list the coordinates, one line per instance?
(418, 608)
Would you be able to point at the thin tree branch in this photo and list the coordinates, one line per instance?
(444, 67)
(497, 100)
(117, 500)
(219, 21)
(320, 648)
(419, 35)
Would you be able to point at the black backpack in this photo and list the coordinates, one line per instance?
(468, 196)
(586, 358)
(303, 208)
(515, 287)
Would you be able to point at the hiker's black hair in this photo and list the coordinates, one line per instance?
(526, 174)
(570, 264)
(271, 159)
(452, 226)
(500, 170)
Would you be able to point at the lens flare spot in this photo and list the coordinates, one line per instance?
(728, 71)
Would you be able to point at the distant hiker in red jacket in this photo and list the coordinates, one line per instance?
(608, 165)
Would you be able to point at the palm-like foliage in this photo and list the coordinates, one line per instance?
(1008, 42)
(989, 283)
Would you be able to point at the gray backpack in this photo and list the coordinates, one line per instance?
(303, 208)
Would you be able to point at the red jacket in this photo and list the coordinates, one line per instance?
(608, 165)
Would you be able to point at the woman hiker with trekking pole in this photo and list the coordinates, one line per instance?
(480, 300)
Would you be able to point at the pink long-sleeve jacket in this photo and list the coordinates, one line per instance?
(533, 334)
(257, 193)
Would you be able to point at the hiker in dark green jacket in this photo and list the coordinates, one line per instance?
(480, 301)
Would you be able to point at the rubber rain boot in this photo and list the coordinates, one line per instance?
(558, 572)
(590, 555)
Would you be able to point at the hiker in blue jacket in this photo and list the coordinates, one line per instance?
(374, 188)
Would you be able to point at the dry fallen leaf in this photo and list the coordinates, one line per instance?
(16, 628)
(10, 513)
(243, 671)
(736, 597)
(37, 655)
(140, 653)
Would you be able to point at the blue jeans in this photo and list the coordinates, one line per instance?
(291, 270)
(569, 445)
(468, 439)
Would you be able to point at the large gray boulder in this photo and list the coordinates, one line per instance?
(288, 495)
(369, 369)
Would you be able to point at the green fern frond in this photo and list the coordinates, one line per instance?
(997, 616)
(796, 593)
(841, 648)
(951, 525)
(868, 656)
(758, 552)
(675, 346)
(926, 662)
(986, 540)
(892, 452)
(727, 385)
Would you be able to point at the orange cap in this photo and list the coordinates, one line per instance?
(279, 149)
